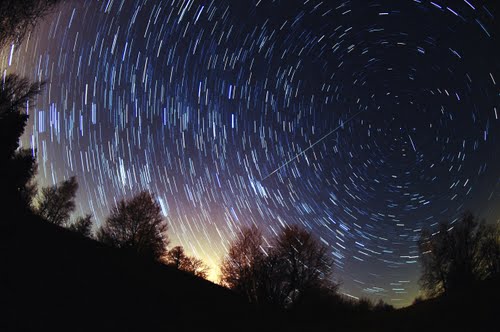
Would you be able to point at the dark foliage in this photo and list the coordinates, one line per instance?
(137, 225)
(489, 249)
(19, 17)
(383, 306)
(177, 258)
(459, 255)
(82, 225)
(18, 166)
(56, 203)
(315, 303)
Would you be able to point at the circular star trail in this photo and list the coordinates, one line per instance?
(363, 122)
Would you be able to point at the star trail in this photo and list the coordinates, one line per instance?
(362, 121)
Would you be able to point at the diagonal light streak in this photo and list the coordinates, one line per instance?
(312, 145)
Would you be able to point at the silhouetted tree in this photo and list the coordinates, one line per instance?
(56, 203)
(176, 257)
(457, 256)
(296, 265)
(82, 225)
(197, 267)
(19, 17)
(306, 262)
(489, 249)
(138, 225)
(240, 268)
(17, 166)
(434, 261)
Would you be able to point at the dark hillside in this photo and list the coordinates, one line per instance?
(56, 280)
(474, 309)
(53, 279)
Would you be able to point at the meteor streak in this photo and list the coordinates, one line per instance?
(312, 145)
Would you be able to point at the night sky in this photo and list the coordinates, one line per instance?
(362, 121)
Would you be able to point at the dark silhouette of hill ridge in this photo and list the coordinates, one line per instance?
(54, 279)
(474, 309)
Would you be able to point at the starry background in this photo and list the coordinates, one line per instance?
(362, 121)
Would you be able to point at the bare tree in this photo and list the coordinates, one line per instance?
(241, 266)
(295, 265)
(197, 267)
(306, 262)
(136, 224)
(458, 255)
(176, 257)
(434, 261)
(55, 204)
(17, 18)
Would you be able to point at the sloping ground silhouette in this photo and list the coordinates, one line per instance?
(56, 280)
(52, 279)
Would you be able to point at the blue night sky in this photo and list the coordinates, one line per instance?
(362, 121)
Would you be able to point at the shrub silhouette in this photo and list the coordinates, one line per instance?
(137, 225)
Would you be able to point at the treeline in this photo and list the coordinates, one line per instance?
(136, 225)
(292, 270)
